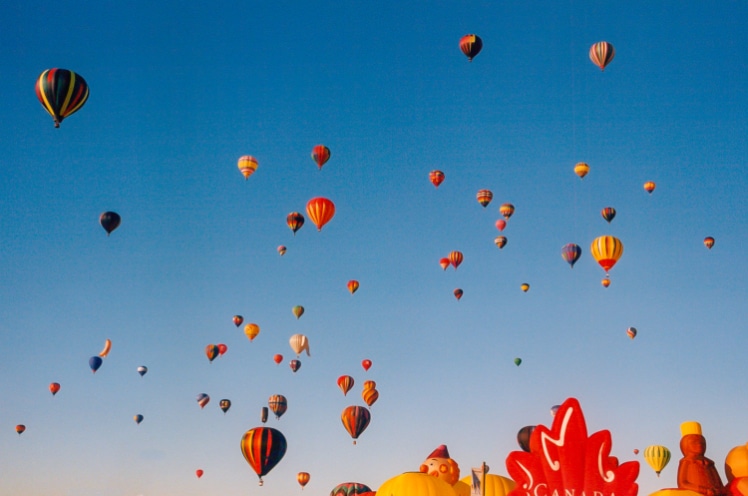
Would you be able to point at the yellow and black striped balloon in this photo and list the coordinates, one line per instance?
(61, 93)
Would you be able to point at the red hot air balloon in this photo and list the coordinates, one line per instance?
(54, 388)
(444, 262)
(295, 220)
(277, 358)
(353, 286)
(61, 92)
(20, 428)
(109, 221)
(320, 155)
(436, 177)
(199, 473)
(345, 383)
(320, 211)
(366, 364)
(471, 45)
(601, 54)
(238, 319)
(263, 448)
(455, 258)
(458, 293)
(222, 348)
(355, 420)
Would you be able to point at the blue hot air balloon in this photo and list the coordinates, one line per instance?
(95, 362)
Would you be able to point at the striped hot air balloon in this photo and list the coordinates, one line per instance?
(263, 448)
(320, 211)
(471, 45)
(581, 169)
(345, 383)
(61, 92)
(355, 420)
(601, 54)
(370, 395)
(320, 155)
(278, 405)
(606, 250)
(608, 213)
(484, 197)
(295, 220)
(657, 457)
(247, 165)
(571, 253)
(436, 177)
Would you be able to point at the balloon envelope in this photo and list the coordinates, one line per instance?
(631, 332)
(211, 351)
(298, 311)
(54, 388)
(320, 211)
(251, 331)
(581, 169)
(606, 250)
(471, 45)
(295, 220)
(500, 241)
(415, 484)
(20, 428)
(110, 221)
(353, 286)
(61, 92)
(649, 186)
(303, 478)
(608, 213)
(458, 293)
(455, 258)
(299, 343)
(657, 457)
(507, 210)
(295, 365)
(571, 253)
(320, 155)
(601, 54)
(345, 383)
(484, 197)
(263, 448)
(436, 177)
(138, 418)
(523, 437)
(355, 420)
(237, 320)
(203, 399)
(142, 370)
(370, 396)
(709, 242)
(278, 405)
(199, 473)
(95, 362)
(247, 165)
(366, 364)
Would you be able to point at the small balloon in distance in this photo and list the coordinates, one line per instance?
(110, 221)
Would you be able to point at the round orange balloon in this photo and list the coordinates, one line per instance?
(320, 211)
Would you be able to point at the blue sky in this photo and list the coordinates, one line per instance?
(180, 92)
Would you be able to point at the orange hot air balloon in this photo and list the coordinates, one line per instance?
(606, 250)
(237, 319)
(295, 220)
(355, 420)
(303, 479)
(320, 211)
(251, 331)
(366, 364)
(649, 186)
(471, 45)
(211, 351)
(247, 165)
(436, 177)
(506, 210)
(353, 286)
(525, 287)
(444, 262)
(500, 241)
(277, 358)
(20, 428)
(370, 385)
(455, 258)
(484, 197)
(320, 155)
(54, 388)
(458, 293)
(601, 54)
(581, 169)
(370, 396)
(345, 383)
(709, 242)
(605, 282)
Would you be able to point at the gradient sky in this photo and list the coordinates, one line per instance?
(180, 90)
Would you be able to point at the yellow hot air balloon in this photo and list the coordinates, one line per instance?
(606, 250)
(251, 330)
(657, 457)
(581, 169)
(496, 485)
(247, 165)
(416, 484)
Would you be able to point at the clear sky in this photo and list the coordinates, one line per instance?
(179, 91)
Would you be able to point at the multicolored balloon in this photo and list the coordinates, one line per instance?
(471, 45)
(294, 220)
(203, 399)
(631, 332)
(320, 211)
(709, 242)
(61, 92)
(211, 351)
(281, 250)
(352, 286)
(247, 165)
(224, 405)
(303, 478)
(507, 210)
(370, 395)
(138, 418)
(606, 250)
(524, 287)
(571, 253)
(263, 448)
(458, 293)
(581, 169)
(444, 262)
(436, 177)
(355, 420)
(523, 437)
(278, 405)
(455, 258)
(107, 348)
(142, 370)
(605, 282)
(345, 383)
(110, 221)
(608, 213)
(350, 489)
(649, 186)
(320, 155)
(484, 197)
(601, 54)
(237, 320)
(20, 428)
(298, 311)
(295, 365)
(500, 241)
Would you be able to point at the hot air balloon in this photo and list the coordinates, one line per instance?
(345, 383)
(224, 405)
(370, 384)
(320, 155)
(263, 448)
(107, 348)
(608, 213)
(54, 388)
(203, 399)
(355, 420)
(350, 489)
(370, 395)
(709, 242)
(484, 197)
(636, 451)
(571, 253)
(237, 319)
(500, 241)
(142, 370)
(247, 165)
(298, 311)
(299, 343)
(657, 457)
(606, 250)
(353, 286)
(277, 358)
(506, 210)
(109, 221)
(525, 287)
(523, 437)
(601, 54)
(436, 177)
(264, 414)
(138, 418)
(320, 211)
(211, 351)
(581, 170)
(471, 45)
(199, 473)
(251, 331)
(517, 362)
(222, 348)
(444, 262)
(294, 220)
(455, 258)
(605, 282)
(649, 186)
(95, 362)
(295, 365)
(366, 364)
(302, 478)
(631, 332)
(281, 250)
(500, 224)
(20, 428)
(61, 92)
(278, 405)
(458, 293)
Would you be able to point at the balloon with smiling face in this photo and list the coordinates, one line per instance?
(440, 465)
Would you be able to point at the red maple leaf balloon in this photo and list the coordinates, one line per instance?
(564, 461)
